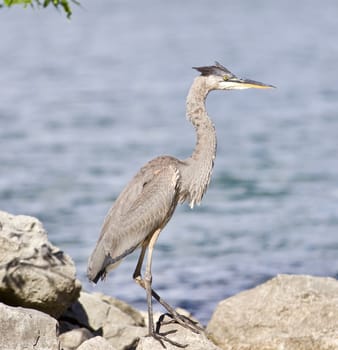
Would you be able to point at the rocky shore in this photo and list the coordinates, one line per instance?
(42, 306)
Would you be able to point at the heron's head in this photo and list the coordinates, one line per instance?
(218, 77)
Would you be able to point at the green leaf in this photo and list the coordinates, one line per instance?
(15, 2)
(66, 8)
(64, 4)
(46, 3)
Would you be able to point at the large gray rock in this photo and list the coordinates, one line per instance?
(33, 272)
(27, 329)
(115, 320)
(287, 312)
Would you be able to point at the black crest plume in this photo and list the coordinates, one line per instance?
(217, 69)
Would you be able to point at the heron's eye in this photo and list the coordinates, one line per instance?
(225, 77)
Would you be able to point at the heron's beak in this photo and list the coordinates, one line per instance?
(239, 83)
(254, 84)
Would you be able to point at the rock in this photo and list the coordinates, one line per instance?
(182, 336)
(33, 272)
(71, 340)
(115, 320)
(27, 329)
(95, 310)
(123, 326)
(287, 312)
(97, 343)
(124, 337)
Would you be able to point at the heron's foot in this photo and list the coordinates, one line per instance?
(182, 320)
(162, 337)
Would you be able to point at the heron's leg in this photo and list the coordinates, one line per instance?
(180, 319)
(146, 283)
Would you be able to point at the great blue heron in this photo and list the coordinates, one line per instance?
(147, 203)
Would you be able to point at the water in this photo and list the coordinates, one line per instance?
(85, 103)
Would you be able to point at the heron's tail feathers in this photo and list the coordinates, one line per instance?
(98, 263)
(101, 262)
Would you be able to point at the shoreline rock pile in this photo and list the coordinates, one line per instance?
(34, 273)
(42, 307)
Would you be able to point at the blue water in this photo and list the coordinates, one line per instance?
(84, 103)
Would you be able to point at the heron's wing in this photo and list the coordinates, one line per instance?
(144, 206)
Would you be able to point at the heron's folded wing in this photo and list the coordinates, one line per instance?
(145, 205)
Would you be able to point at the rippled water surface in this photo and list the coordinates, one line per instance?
(84, 103)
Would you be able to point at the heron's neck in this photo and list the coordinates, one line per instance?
(200, 164)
